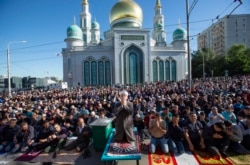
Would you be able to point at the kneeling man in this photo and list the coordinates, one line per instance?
(158, 130)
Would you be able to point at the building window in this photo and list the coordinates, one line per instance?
(100, 73)
(167, 70)
(107, 73)
(84, 23)
(161, 70)
(81, 23)
(93, 73)
(173, 68)
(86, 73)
(69, 64)
(85, 38)
(155, 71)
(133, 65)
(132, 68)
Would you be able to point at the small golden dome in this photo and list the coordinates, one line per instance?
(126, 9)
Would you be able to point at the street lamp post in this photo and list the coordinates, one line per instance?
(8, 64)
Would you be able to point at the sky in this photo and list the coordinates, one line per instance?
(43, 24)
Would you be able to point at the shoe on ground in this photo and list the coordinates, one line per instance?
(54, 155)
(88, 153)
(84, 154)
(78, 149)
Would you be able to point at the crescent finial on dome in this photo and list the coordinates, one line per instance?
(74, 23)
(158, 3)
(85, 2)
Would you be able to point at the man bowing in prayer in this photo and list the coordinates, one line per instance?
(124, 120)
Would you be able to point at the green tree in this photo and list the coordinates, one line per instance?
(197, 62)
(238, 60)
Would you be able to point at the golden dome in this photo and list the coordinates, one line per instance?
(126, 11)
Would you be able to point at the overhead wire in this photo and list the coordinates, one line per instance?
(34, 46)
(30, 60)
(218, 16)
(192, 22)
(240, 3)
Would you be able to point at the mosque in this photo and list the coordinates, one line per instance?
(127, 54)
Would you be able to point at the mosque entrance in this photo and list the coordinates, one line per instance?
(133, 65)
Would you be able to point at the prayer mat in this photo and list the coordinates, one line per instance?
(185, 158)
(125, 148)
(159, 158)
(239, 159)
(28, 156)
(65, 157)
(8, 157)
(203, 158)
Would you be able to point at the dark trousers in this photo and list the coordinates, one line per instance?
(76, 143)
(56, 145)
(216, 151)
(41, 146)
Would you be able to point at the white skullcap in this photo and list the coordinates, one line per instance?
(124, 92)
(137, 115)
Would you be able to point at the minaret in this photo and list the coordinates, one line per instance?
(159, 34)
(95, 33)
(85, 24)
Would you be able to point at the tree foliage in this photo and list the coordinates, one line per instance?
(236, 62)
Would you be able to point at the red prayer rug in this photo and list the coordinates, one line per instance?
(159, 158)
(28, 156)
(125, 148)
(203, 158)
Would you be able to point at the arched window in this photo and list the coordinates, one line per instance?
(133, 65)
(93, 73)
(161, 70)
(84, 23)
(107, 73)
(132, 68)
(155, 71)
(86, 73)
(173, 68)
(85, 38)
(100, 73)
(69, 64)
(167, 70)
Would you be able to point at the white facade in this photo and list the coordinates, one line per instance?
(227, 31)
(128, 54)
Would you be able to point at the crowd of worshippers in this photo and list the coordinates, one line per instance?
(213, 115)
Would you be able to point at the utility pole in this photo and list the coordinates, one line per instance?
(188, 12)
